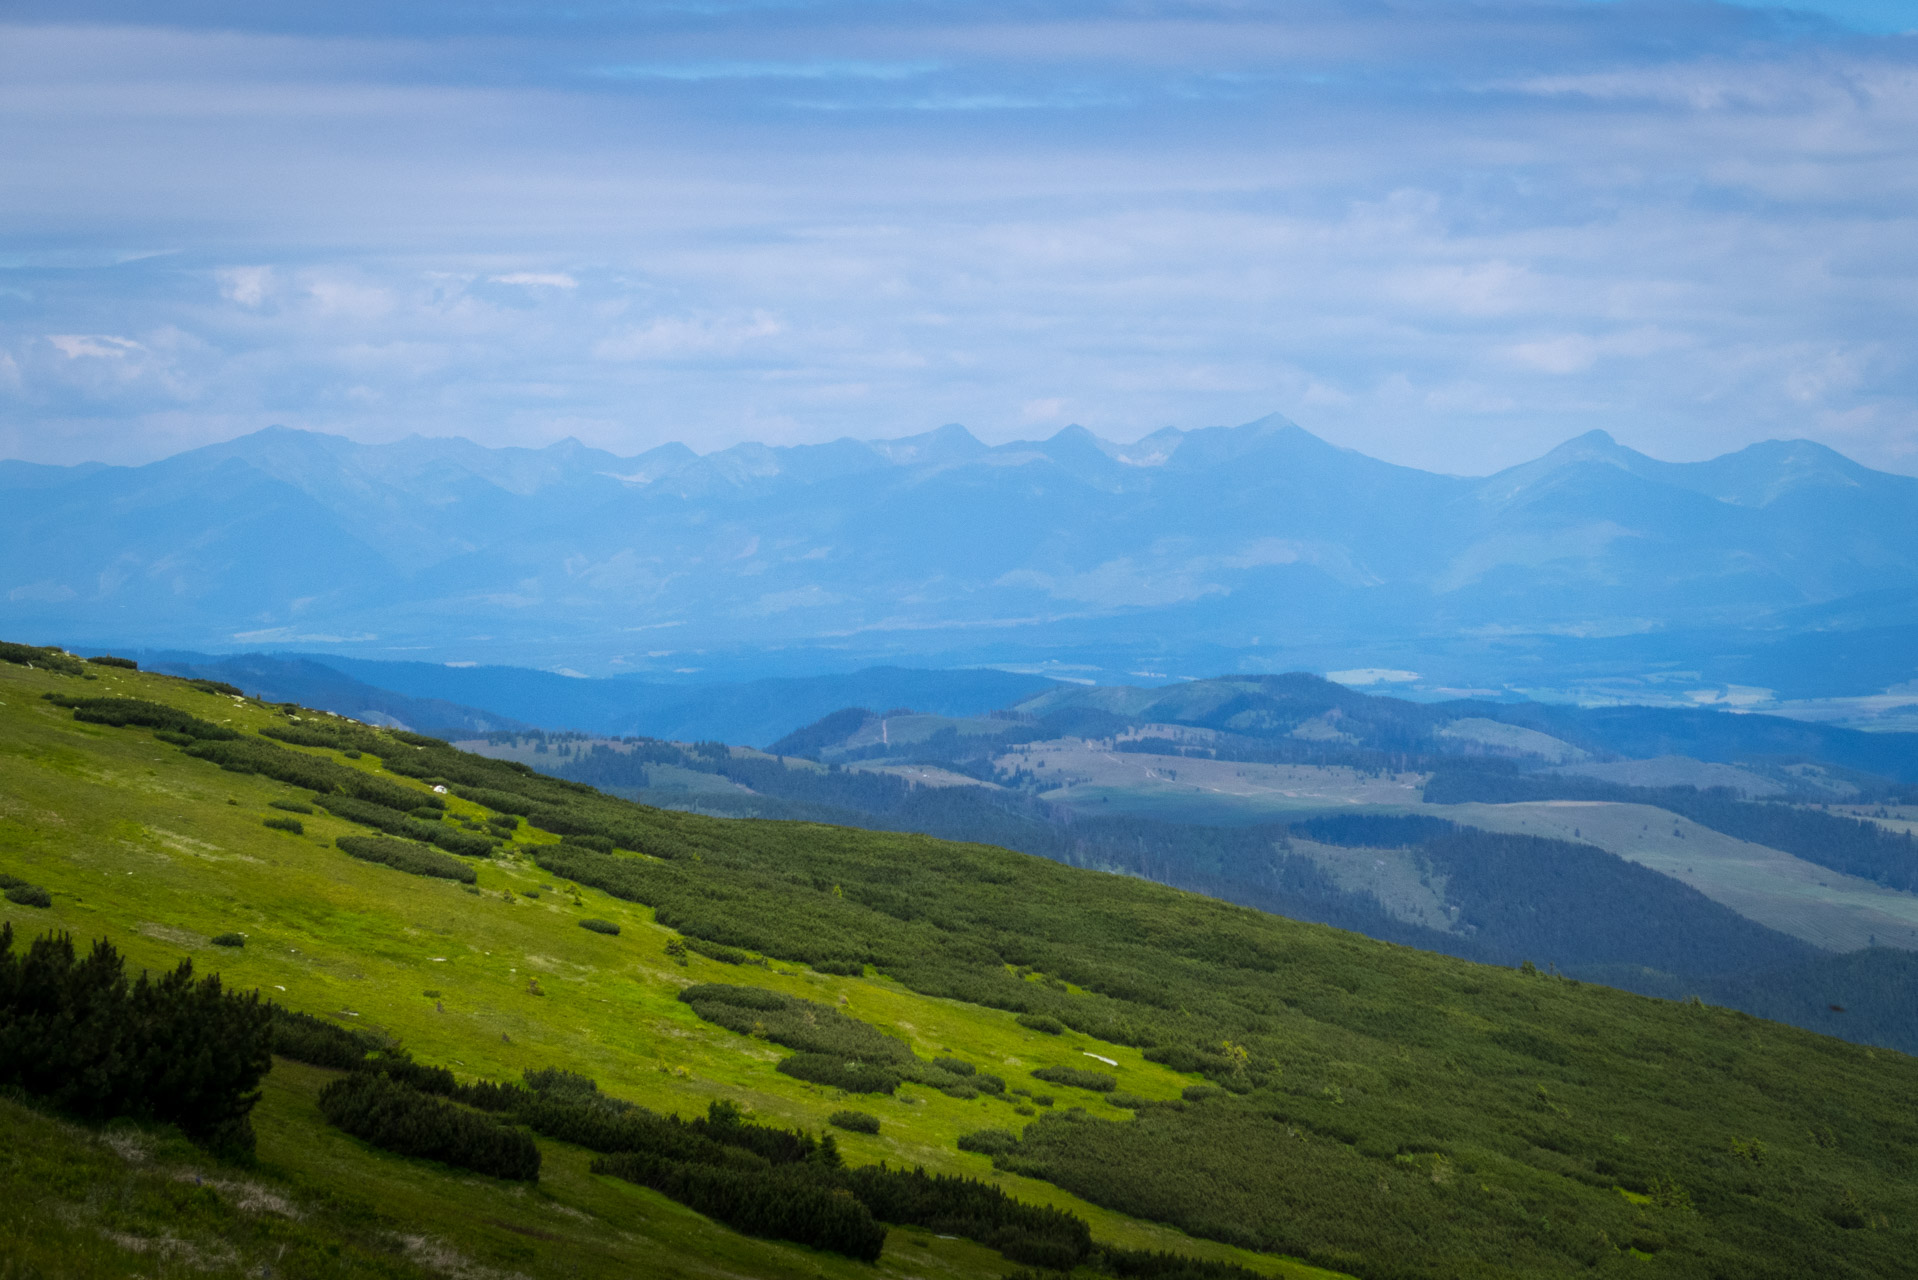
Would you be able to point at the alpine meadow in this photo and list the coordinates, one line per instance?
(609, 1036)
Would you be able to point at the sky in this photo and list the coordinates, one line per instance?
(1445, 233)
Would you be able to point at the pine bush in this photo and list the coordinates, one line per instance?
(855, 1121)
(403, 855)
(174, 1048)
(1097, 1081)
(401, 1119)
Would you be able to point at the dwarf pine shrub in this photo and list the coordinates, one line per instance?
(839, 1073)
(404, 855)
(75, 1031)
(854, 1121)
(1097, 1081)
(403, 1120)
(600, 926)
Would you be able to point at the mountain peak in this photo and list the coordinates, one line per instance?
(950, 443)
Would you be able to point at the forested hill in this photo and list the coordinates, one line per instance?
(1279, 1087)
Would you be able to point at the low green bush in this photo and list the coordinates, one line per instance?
(218, 686)
(1041, 1022)
(29, 895)
(797, 1024)
(1036, 1235)
(403, 1120)
(169, 1047)
(843, 968)
(718, 951)
(305, 1038)
(838, 1073)
(598, 844)
(291, 806)
(228, 940)
(600, 926)
(1151, 1264)
(991, 1142)
(956, 1066)
(788, 1203)
(27, 655)
(293, 825)
(122, 713)
(986, 1082)
(1097, 1081)
(854, 1121)
(403, 855)
(108, 660)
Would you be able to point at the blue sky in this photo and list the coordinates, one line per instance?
(1450, 234)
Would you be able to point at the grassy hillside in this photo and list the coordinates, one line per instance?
(1264, 1091)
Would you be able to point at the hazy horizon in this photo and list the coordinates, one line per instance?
(1448, 235)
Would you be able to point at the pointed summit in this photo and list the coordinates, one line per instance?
(948, 444)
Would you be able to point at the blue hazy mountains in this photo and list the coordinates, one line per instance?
(1186, 553)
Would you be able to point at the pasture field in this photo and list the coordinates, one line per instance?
(1087, 775)
(1823, 907)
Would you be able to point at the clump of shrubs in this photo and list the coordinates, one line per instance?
(989, 1142)
(22, 894)
(1097, 1081)
(305, 1038)
(404, 855)
(785, 1203)
(798, 1024)
(854, 1121)
(956, 1066)
(836, 1072)
(293, 825)
(600, 926)
(719, 951)
(1043, 1022)
(229, 939)
(172, 1048)
(842, 968)
(124, 712)
(290, 806)
(401, 1119)
(27, 655)
(108, 660)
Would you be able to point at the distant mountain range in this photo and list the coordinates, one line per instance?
(1784, 567)
(462, 702)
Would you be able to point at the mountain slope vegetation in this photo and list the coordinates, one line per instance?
(1258, 1088)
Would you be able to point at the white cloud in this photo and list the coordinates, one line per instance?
(546, 279)
(247, 286)
(673, 338)
(77, 346)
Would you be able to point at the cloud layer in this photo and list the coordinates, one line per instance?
(1446, 233)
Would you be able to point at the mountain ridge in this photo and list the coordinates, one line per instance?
(1260, 541)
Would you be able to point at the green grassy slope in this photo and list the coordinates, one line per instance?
(160, 852)
(1387, 1113)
